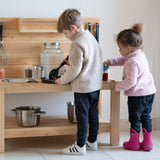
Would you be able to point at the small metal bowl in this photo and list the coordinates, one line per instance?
(46, 79)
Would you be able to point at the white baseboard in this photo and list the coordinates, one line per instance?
(125, 125)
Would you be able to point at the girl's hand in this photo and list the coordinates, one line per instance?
(106, 63)
(58, 81)
(113, 88)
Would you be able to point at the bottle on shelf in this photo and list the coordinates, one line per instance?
(38, 72)
(2, 73)
(28, 72)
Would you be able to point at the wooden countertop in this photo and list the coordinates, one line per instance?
(44, 87)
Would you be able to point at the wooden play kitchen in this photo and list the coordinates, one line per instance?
(23, 40)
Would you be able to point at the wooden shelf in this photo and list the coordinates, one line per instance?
(44, 25)
(37, 24)
(49, 126)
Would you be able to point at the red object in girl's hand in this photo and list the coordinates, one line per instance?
(105, 76)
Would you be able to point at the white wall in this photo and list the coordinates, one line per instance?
(114, 15)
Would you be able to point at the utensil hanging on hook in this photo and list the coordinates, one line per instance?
(89, 26)
(97, 32)
(3, 55)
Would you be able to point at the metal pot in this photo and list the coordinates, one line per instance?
(28, 116)
(71, 110)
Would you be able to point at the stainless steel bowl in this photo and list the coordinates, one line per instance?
(71, 110)
(28, 116)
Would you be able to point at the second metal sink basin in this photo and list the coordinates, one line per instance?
(18, 80)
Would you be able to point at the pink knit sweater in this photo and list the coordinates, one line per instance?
(137, 78)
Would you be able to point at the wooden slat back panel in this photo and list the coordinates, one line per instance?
(23, 48)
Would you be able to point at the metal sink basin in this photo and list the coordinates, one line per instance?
(18, 80)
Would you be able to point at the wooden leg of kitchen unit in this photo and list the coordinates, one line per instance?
(100, 104)
(2, 102)
(114, 118)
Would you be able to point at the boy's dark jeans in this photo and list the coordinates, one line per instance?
(86, 113)
(139, 109)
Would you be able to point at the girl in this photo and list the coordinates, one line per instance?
(137, 84)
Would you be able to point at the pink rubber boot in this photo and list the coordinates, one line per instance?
(133, 143)
(147, 144)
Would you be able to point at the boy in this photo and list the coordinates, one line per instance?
(85, 74)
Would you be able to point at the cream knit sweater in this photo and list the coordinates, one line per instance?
(85, 64)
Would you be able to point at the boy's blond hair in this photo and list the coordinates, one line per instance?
(67, 18)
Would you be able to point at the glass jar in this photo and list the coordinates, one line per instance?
(38, 72)
(28, 72)
(51, 57)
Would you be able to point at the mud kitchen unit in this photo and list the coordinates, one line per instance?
(23, 40)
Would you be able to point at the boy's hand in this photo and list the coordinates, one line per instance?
(58, 81)
(66, 61)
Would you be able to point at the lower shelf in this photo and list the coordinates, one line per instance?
(49, 126)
